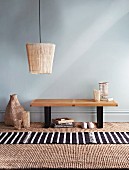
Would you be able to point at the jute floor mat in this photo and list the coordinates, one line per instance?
(64, 156)
(27, 156)
(36, 126)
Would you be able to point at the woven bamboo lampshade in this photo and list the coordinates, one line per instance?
(40, 57)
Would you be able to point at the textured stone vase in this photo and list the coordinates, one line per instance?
(14, 111)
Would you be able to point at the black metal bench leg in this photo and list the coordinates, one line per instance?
(100, 116)
(47, 116)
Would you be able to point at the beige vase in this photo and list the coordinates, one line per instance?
(14, 111)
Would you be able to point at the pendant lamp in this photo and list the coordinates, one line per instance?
(40, 55)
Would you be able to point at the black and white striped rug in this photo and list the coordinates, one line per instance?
(64, 137)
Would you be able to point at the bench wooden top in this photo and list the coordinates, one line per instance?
(71, 102)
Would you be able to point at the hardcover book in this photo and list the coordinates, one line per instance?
(62, 120)
(63, 125)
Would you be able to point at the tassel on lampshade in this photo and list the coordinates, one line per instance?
(40, 57)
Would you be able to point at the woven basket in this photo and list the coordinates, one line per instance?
(40, 57)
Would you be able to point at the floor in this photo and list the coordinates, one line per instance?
(107, 127)
(57, 156)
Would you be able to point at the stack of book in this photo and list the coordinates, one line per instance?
(109, 99)
(63, 122)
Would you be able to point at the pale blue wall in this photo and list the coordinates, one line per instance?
(92, 45)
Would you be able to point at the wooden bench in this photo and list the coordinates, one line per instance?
(48, 103)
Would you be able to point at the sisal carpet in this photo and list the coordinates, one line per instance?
(36, 126)
(57, 156)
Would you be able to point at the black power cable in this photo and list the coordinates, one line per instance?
(39, 24)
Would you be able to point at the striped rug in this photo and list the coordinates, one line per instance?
(64, 137)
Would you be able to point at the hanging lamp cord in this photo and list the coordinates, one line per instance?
(39, 24)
